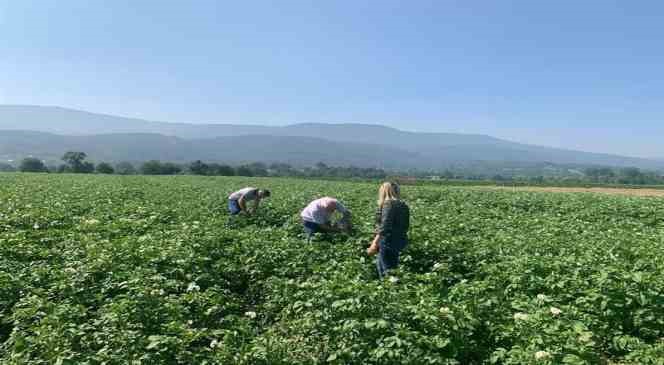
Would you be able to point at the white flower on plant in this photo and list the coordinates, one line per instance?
(91, 222)
(437, 266)
(36, 226)
(251, 315)
(541, 355)
(520, 316)
(214, 344)
(70, 270)
(393, 279)
(193, 287)
(445, 310)
(541, 297)
(555, 311)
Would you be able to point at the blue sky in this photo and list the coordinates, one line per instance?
(585, 74)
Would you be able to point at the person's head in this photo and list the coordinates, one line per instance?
(329, 204)
(388, 191)
(264, 193)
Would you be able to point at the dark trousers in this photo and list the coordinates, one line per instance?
(388, 256)
(310, 228)
(234, 207)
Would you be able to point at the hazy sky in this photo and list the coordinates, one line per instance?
(584, 74)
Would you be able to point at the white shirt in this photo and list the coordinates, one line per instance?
(316, 211)
(246, 193)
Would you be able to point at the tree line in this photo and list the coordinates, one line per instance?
(626, 175)
(76, 162)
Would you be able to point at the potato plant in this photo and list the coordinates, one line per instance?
(153, 270)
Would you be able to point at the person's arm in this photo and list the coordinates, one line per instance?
(374, 247)
(377, 216)
(242, 204)
(327, 227)
(347, 220)
(384, 228)
(256, 203)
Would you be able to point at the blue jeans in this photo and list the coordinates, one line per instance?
(234, 207)
(388, 256)
(310, 228)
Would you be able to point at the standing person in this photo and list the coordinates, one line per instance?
(393, 221)
(317, 215)
(237, 201)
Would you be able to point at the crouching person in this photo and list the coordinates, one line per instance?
(392, 221)
(316, 217)
(237, 201)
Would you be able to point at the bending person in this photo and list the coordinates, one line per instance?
(316, 217)
(237, 201)
(393, 221)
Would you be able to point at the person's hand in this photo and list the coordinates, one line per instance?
(373, 249)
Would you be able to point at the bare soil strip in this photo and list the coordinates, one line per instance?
(614, 191)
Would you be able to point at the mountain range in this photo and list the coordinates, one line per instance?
(47, 132)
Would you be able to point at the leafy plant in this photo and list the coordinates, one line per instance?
(132, 269)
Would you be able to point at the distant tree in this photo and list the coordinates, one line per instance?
(152, 167)
(244, 171)
(105, 168)
(632, 175)
(599, 173)
(5, 167)
(170, 168)
(125, 168)
(32, 164)
(283, 169)
(155, 167)
(631, 172)
(52, 168)
(258, 169)
(76, 162)
(607, 172)
(221, 170)
(537, 179)
(226, 170)
(199, 168)
(87, 168)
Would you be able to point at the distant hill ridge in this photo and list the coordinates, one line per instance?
(64, 121)
(52, 130)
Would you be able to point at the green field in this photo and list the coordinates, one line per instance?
(118, 270)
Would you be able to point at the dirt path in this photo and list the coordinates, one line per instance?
(615, 191)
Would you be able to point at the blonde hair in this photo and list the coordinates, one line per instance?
(388, 191)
